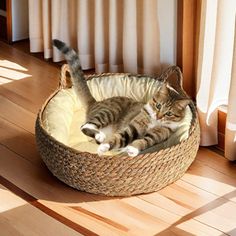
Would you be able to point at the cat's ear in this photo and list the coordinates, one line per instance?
(164, 89)
(182, 103)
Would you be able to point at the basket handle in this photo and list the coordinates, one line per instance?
(63, 83)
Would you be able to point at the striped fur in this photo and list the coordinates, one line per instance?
(153, 124)
(136, 126)
(77, 75)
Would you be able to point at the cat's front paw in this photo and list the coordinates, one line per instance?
(132, 151)
(104, 147)
(89, 129)
(100, 137)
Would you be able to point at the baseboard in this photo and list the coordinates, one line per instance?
(222, 114)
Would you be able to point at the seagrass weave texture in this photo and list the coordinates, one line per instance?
(117, 175)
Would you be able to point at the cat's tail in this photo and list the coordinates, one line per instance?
(77, 75)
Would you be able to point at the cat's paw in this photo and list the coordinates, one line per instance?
(132, 151)
(89, 129)
(100, 137)
(104, 147)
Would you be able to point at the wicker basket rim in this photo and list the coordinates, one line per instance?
(162, 77)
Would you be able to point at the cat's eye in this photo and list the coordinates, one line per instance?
(169, 113)
(158, 106)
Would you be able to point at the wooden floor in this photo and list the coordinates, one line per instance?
(33, 202)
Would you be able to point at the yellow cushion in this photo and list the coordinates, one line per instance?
(64, 113)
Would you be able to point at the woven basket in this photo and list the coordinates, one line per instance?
(117, 175)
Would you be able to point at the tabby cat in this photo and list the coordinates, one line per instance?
(133, 126)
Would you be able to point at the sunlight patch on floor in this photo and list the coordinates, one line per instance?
(10, 71)
(221, 217)
(219, 186)
(12, 65)
(192, 227)
(9, 201)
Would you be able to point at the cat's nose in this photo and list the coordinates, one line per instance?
(159, 116)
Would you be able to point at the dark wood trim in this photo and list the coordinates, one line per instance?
(179, 33)
(222, 115)
(188, 18)
(9, 21)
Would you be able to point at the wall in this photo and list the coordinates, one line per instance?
(20, 28)
(167, 15)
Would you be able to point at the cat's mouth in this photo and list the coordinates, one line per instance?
(168, 122)
(159, 117)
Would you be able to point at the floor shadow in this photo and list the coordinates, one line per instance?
(24, 219)
(32, 180)
(171, 232)
(231, 232)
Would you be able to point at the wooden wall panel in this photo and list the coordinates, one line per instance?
(9, 21)
(188, 15)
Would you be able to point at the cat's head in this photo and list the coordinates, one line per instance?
(167, 105)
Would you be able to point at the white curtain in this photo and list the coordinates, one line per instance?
(110, 35)
(216, 74)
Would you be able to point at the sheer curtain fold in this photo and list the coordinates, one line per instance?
(215, 74)
(110, 35)
(115, 35)
(85, 33)
(101, 35)
(36, 26)
(47, 35)
(149, 36)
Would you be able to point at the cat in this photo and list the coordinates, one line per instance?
(135, 126)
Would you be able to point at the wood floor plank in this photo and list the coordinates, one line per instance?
(89, 222)
(19, 100)
(32, 90)
(19, 140)
(99, 216)
(179, 198)
(17, 217)
(206, 208)
(139, 222)
(211, 180)
(221, 216)
(37, 180)
(192, 228)
(217, 162)
(36, 203)
(156, 211)
(17, 115)
(186, 195)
